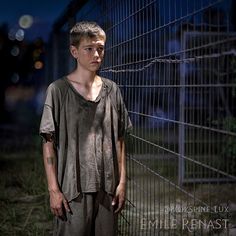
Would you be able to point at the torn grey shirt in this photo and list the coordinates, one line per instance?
(86, 135)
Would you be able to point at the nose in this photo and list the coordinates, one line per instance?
(96, 54)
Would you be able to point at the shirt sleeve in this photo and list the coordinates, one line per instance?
(124, 123)
(48, 119)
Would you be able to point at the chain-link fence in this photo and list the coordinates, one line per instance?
(175, 62)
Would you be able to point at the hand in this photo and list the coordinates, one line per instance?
(119, 199)
(58, 203)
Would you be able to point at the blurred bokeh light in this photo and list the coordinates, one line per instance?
(25, 21)
(15, 51)
(20, 34)
(38, 65)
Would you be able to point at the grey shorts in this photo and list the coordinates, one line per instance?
(92, 215)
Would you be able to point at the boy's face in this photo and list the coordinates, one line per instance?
(89, 54)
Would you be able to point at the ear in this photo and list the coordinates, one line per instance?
(74, 51)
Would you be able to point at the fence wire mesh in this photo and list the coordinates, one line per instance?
(175, 63)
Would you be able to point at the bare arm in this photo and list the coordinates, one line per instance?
(57, 199)
(50, 163)
(122, 162)
(119, 199)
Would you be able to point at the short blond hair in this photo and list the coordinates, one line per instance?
(85, 29)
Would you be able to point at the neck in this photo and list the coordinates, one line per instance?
(85, 77)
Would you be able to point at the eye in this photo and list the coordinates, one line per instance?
(89, 49)
(100, 49)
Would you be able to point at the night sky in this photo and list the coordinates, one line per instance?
(23, 51)
(43, 13)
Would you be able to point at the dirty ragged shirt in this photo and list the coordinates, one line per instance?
(86, 135)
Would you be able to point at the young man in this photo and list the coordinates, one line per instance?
(83, 125)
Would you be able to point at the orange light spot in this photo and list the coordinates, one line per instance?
(38, 65)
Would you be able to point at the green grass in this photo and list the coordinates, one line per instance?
(23, 195)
